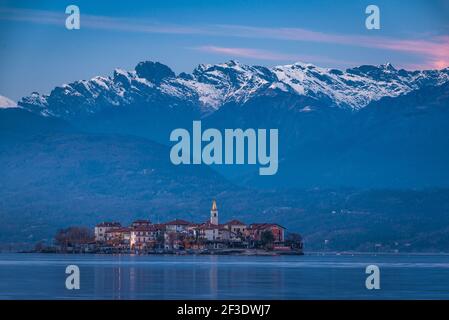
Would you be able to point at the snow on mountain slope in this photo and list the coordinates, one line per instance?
(211, 86)
(6, 103)
(357, 87)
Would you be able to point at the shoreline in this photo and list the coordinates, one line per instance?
(258, 253)
(358, 253)
(232, 252)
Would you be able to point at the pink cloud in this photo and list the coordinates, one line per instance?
(247, 53)
(434, 50)
(267, 55)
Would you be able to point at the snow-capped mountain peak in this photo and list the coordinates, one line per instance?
(210, 86)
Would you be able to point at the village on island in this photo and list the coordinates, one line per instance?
(180, 237)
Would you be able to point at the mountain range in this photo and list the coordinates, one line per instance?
(362, 127)
(363, 152)
(211, 87)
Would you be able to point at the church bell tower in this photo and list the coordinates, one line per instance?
(214, 214)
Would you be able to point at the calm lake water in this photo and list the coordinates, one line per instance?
(42, 276)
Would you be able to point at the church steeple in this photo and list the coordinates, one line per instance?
(214, 213)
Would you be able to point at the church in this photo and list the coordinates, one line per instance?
(214, 213)
(212, 230)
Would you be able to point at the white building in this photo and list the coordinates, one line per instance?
(236, 226)
(144, 236)
(211, 232)
(102, 228)
(118, 235)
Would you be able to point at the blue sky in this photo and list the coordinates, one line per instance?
(38, 53)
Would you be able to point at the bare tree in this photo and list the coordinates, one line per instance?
(73, 237)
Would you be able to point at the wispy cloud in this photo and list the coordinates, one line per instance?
(266, 54)
(98, 22)
(246, 52)
(433, 51)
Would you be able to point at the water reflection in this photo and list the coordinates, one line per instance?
(222, 277)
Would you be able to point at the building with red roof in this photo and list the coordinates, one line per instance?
(177, 225)
(255, 231)
(140, 223)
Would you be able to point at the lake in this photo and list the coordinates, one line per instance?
(42, 276)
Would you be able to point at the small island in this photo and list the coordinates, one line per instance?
(178, 237)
